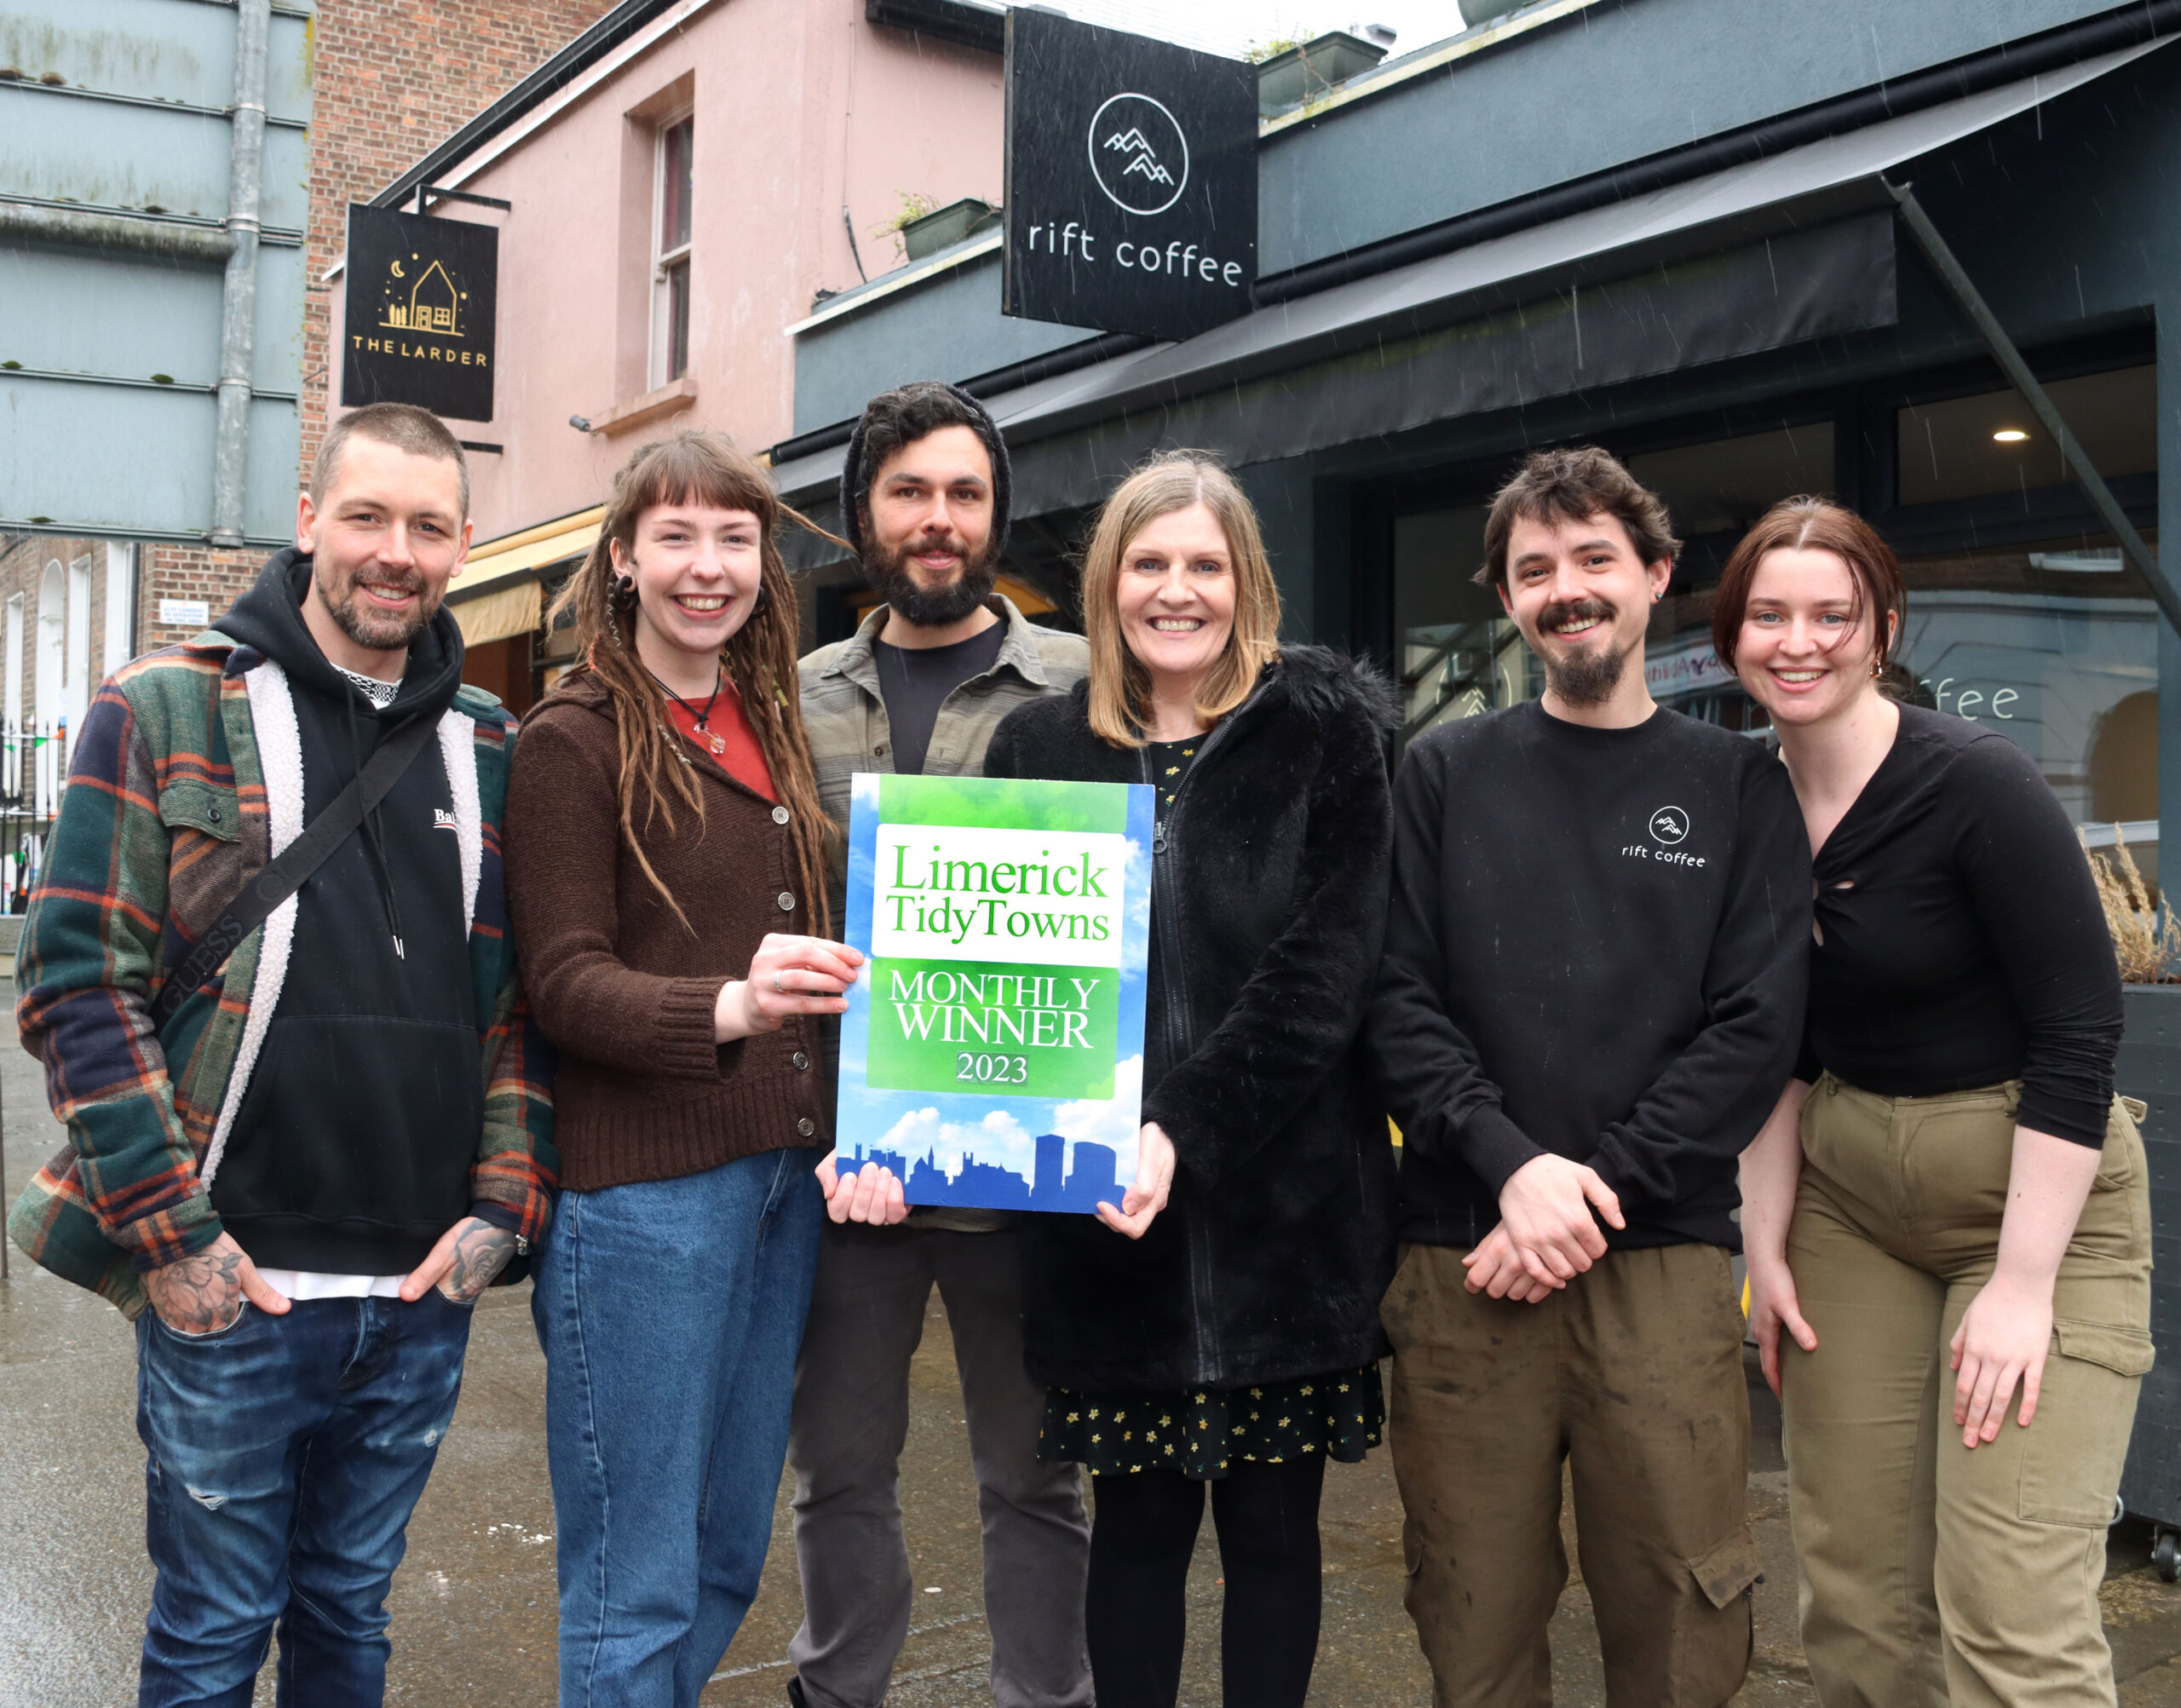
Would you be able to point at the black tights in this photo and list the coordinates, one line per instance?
(1141, 1541)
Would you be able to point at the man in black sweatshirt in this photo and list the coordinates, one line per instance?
(1592, 992)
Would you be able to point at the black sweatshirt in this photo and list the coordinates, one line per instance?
(1597, 946)
(351, 1150)
(1963, 943)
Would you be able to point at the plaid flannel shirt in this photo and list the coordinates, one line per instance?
(165, 819)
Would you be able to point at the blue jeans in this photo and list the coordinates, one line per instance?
(670, 1312)
(287, 1453)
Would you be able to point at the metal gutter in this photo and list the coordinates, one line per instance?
(194, 387)
(154, 103)
(962, 22)
(239, 294)
(600, 39)
(85, 228)
(98, 215)
(2010, 62)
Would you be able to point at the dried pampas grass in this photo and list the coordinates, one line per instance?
(2146, 938)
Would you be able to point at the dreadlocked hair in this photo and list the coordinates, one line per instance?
(759, 657)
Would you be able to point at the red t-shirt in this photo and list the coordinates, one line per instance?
(727, 737)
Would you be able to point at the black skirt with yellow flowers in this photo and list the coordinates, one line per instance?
(1203, 1431)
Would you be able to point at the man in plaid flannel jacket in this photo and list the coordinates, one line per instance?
(312, 1170)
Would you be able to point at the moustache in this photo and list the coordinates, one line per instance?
(1590, 609)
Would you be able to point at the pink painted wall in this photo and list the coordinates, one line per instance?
(801, 107)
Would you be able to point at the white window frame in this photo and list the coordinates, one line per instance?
(663, 259)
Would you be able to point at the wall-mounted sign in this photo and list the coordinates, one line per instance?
(187, 613)
(421, 293)
(1131, 180)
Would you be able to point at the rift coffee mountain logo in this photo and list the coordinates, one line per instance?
(1138, 154)
(1132, 181)
(420, 312)
(1669, 825)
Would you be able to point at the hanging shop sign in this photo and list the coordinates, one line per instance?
(993, 1051)
(421, 297)
(1131, 180)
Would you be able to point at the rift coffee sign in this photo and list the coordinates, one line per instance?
(420, 312)
(1131, 180)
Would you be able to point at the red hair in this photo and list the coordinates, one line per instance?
(1807, 524)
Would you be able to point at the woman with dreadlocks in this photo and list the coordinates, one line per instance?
(666, 862)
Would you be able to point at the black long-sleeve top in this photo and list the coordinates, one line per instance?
(1961, 940)
(1596, 946)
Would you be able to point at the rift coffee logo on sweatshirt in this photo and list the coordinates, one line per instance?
(1668, 828)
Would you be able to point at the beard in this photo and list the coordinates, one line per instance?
(1586, 675)
(379, 632)
(894, 578)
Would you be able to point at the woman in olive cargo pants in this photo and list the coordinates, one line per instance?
(1947, 1218)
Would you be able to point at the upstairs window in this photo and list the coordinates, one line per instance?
(669, 313)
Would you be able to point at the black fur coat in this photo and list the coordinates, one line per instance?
(1276, 1243)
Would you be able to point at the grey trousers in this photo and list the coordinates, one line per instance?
(851, 1419)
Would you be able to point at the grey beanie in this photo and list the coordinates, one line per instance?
(915, 401)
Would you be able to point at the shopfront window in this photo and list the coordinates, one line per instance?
(1969, 447)
(2055, 644)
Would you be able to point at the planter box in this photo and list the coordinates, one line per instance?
(2149, 1067)
(1317, 68)
(946, 227)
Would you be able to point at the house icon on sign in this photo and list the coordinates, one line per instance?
(433, 303)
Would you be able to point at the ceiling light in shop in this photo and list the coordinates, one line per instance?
(2009, 435)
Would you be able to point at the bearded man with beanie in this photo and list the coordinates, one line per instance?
(919, 689)
(312, 1167)
(1591, 997)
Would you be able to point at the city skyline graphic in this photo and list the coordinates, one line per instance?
(1073, 1178)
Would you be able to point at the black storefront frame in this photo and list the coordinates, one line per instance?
(1865, 418)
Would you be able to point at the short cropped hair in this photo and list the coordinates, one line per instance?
(1571, 483)
(1809, 524)
(402, 425)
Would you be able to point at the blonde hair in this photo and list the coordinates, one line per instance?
(1121, 687)
(759, 657)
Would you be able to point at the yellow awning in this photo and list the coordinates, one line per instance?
(512, 555)
(502, 612)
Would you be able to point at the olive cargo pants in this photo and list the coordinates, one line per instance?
(1633, 1376)
(1932, 1574)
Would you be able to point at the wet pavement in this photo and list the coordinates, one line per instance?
(474, 1602)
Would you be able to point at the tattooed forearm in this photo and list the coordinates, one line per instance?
(201, 1294)
(481, 1253)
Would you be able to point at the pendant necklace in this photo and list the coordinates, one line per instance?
(716, 743)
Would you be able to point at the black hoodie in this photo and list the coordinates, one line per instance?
(351, 1150)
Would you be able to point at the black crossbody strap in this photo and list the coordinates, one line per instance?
(284, 876)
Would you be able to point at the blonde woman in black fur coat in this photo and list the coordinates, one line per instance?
(1221, 1327)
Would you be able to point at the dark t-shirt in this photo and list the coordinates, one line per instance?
(1596, 946)
(914, 680)
(1961, 939)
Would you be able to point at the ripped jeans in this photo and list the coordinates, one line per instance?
(287, 1453)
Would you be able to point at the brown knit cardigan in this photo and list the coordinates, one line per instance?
(625, 991)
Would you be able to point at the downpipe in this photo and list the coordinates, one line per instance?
(238, 296)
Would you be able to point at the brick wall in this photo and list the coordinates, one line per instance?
(189, 572)
(393, 79)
